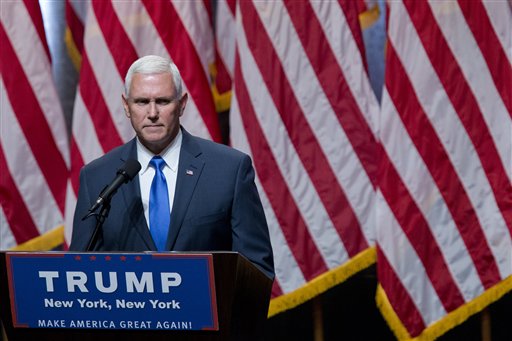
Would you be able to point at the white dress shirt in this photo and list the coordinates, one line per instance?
(171, 156)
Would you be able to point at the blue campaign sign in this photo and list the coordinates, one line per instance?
(112, 291)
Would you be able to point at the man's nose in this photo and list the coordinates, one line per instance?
(153, 109)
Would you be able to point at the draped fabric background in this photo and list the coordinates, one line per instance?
(413, 175)
(445, 190)
(310, 127)
(34, 147)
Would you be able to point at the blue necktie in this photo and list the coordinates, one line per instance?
(159, 214)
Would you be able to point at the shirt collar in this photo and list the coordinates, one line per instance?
(170, 154)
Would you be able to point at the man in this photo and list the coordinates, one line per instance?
(209, 195)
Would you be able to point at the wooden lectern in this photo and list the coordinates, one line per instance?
(242, 299)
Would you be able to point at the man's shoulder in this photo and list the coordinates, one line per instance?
(214, 149)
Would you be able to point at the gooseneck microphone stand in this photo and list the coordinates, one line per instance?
(124, 174)
(100, 219)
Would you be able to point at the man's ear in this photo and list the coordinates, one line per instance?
(125, 106)
(183, 103)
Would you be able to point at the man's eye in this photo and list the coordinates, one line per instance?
(162, 101)
(141, 101)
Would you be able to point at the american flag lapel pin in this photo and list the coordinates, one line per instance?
(189, 172)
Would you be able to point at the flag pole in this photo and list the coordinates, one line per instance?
(318, 319)
(485, 324)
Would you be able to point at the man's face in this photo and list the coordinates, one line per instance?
(154, 109)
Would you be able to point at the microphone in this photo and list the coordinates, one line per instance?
(124, 175)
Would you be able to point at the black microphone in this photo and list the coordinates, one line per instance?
(124, 174)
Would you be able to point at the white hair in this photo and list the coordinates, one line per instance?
(153, 64)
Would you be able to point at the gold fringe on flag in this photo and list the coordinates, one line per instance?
(74, 54)
(369, 17)
(323, 282)
(451, 320)
(222, 101)
(47, 241)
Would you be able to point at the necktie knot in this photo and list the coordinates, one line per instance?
(157, 162)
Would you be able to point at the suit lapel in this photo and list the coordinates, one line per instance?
(131, 193)
(189, 171)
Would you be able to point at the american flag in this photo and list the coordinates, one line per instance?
(75, 14)
(445, 195)
(304, 110)
(438, 205)
(115, 35)
(34, 153)
(225, 27)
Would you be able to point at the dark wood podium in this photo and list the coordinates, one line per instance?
(242, 296)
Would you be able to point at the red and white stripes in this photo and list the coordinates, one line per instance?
(445, 193)
(75, 13)
(438, 205)
(225, 44)
(303, 108)
(34, 153)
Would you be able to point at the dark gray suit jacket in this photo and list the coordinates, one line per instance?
(216, 208)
